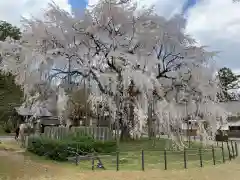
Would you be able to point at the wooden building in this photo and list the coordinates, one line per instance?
(233, 120)
(42, 118)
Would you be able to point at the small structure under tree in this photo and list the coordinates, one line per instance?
(37, 121)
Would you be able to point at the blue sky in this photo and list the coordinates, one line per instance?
(189, 4)
(78, 4)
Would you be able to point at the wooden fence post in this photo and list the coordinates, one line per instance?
(185, 158)
(77, 156)
(117, 161)
(200, 157)
(213, 156)
(143, 168)
(233, 153)
(223, 155)
(93, 162)
(165, 159)
(229, 153)
(236, 149)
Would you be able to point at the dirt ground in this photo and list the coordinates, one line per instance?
(16, 166)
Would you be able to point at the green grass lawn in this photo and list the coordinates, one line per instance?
(22, 163)
(16, 166)
(130, 156)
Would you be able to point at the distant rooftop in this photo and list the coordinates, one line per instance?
(30, 112)
(232, 107)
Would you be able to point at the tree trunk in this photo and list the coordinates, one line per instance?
(150, 122)
(125, 133)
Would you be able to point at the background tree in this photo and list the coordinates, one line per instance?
(10, 93)
(8, 30)
(10, 97)
(228, 81)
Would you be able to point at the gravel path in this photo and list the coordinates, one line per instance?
(6, 138)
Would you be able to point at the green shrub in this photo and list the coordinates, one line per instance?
(7, 128)
(79, 137)
(61, 149)
(105, 147)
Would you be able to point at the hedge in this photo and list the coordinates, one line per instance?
(59, 150)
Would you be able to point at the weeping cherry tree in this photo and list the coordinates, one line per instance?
(134, 58)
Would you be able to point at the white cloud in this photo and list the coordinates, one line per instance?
(217, 23)
(12, 10)
(92, 2)
(168, 8)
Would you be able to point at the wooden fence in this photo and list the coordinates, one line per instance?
(161, 159)
(192, 157)
(99, 133)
